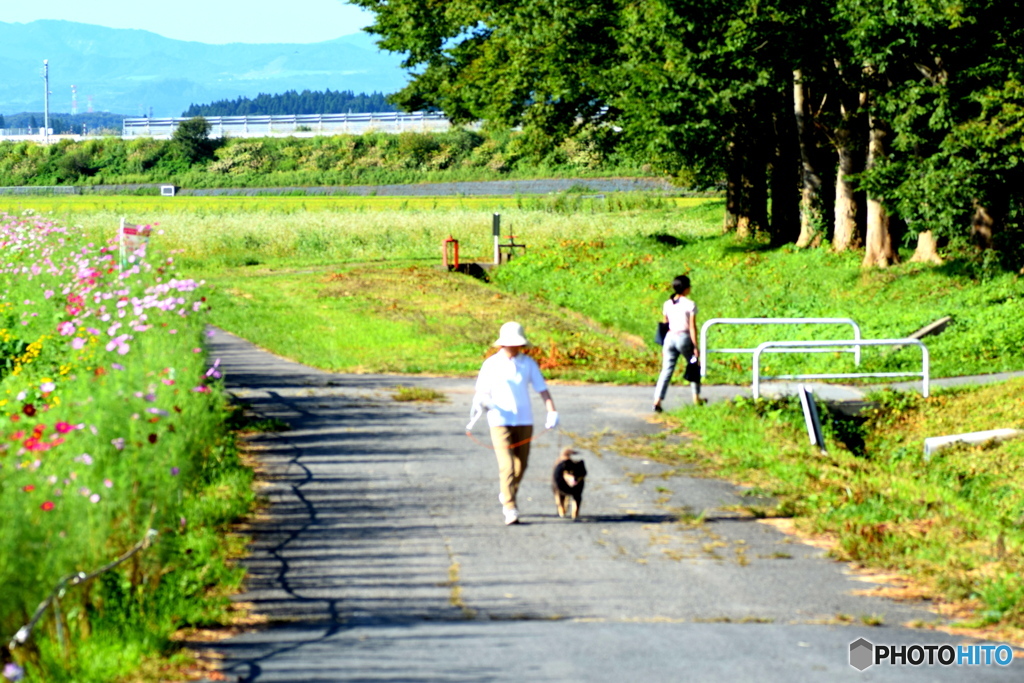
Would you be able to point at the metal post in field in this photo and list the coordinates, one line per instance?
(811, 418)
(496, 229)
(46, 101)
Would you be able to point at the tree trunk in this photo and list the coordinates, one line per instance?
(846, 234)
(746, 192)
(927, 249)
(733, 189)
(785, 177)
(982, 227)
(847, 230)
(810, 201)
(878, 247)
(755, 182)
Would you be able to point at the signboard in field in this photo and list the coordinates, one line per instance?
(131, 238)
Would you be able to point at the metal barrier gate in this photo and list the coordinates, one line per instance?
(814, 346)
(770, 321)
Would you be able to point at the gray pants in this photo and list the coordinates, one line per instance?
(676, 345)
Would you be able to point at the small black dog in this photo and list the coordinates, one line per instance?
(567, 482)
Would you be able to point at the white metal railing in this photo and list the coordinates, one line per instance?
(312, 123)
(770, 321)
(813, 346)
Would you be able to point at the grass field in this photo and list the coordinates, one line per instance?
(608, 260)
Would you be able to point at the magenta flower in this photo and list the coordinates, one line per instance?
(66, 329)
(63, 427)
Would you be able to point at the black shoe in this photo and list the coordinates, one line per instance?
(657, 408)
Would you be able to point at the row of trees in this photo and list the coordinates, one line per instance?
(292, 102)
(64, 122)
(856, 121)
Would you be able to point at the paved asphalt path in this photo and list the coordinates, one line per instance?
(383, 556)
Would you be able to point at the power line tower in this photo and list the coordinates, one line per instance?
(74, 101)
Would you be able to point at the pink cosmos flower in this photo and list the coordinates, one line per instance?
(63, 427)
(66, 329)
(77, 343)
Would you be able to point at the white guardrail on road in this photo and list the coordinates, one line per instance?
(770, 321)
(815, 346)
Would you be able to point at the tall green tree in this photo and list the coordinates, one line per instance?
(900, 114)
(191, 139)
(540, 64)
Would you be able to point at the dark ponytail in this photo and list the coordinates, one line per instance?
(680, 284)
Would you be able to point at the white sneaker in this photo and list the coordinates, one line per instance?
(511, 516)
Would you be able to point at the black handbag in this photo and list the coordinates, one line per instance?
(692, 372)
(659, 334)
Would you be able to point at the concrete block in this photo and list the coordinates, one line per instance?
(934, 443)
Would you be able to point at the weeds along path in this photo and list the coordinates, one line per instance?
(382, 555)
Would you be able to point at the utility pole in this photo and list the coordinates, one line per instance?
(46, 101)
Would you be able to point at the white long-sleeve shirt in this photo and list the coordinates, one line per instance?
(503, 384)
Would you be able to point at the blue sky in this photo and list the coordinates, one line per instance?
(206, 21)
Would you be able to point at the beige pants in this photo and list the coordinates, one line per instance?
(511, 461)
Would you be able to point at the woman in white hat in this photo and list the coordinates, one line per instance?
(502, 388)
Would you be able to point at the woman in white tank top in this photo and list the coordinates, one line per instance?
(680, 312)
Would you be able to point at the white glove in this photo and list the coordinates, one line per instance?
(474, 416)
(552, 420)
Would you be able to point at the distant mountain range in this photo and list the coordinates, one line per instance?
(131, 72)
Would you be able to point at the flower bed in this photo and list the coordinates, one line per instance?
(109, 426)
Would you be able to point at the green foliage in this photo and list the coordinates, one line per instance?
(191, 139)
(193, 160)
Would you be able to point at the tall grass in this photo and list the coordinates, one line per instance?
(210, 232)
(110, 426)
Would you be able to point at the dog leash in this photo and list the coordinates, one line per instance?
(516, 444)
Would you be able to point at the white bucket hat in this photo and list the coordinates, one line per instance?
(512, 334)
